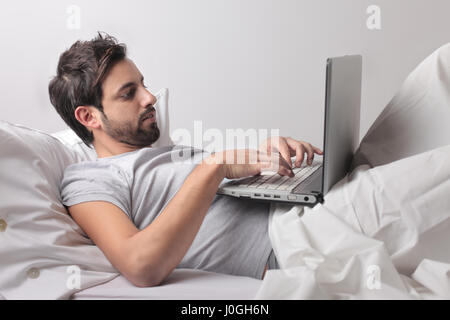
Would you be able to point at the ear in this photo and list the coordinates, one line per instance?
(88, 116)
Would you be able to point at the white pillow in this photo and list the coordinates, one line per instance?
(70, 138)
(417, 118)
(39, 241)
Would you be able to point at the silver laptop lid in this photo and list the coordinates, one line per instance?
(342, 117)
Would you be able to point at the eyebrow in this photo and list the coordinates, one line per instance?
(128, 84)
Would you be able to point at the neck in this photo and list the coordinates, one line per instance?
(105, 146)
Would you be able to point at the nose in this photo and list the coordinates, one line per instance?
(148, 99)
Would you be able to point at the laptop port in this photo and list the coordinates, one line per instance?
(277, 197)
(267, 195)
(257, 194)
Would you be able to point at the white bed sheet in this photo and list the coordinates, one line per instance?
(382, 233)
(182, 284)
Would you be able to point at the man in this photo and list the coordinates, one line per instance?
(147, 213)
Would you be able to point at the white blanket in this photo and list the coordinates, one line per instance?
(382, 233)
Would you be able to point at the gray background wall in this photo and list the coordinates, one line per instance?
(230, 63)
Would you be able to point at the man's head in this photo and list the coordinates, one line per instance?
(101, 95)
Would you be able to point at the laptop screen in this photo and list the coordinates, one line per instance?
(342, 117)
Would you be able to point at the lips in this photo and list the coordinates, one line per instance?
(150, 116)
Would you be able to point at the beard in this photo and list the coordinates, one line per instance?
(139, 136)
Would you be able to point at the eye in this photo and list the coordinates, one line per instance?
(129, 94)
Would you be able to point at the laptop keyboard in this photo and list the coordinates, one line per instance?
(277, 182)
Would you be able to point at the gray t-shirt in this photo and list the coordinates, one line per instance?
(233, 237)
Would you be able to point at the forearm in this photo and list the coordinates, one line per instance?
(160, 247)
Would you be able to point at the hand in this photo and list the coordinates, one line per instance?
(240, 163)
(289, 147)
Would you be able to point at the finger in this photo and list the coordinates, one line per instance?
(287, 172)
(283, 148)
(310, 152)
(317, 150)
(298, 148)
(299, 152)
(292, 144)
(284, 171)
(279, 165)
(286, 168)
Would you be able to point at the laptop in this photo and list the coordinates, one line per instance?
(341, 137)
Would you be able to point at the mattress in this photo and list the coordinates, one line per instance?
(182, 284)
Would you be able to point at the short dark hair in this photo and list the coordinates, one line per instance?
(78, 82)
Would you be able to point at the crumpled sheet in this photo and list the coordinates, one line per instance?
(382, 233)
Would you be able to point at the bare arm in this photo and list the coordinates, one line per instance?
(167, 239)
(146, 257)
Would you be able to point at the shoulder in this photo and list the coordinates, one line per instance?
(95, 170)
